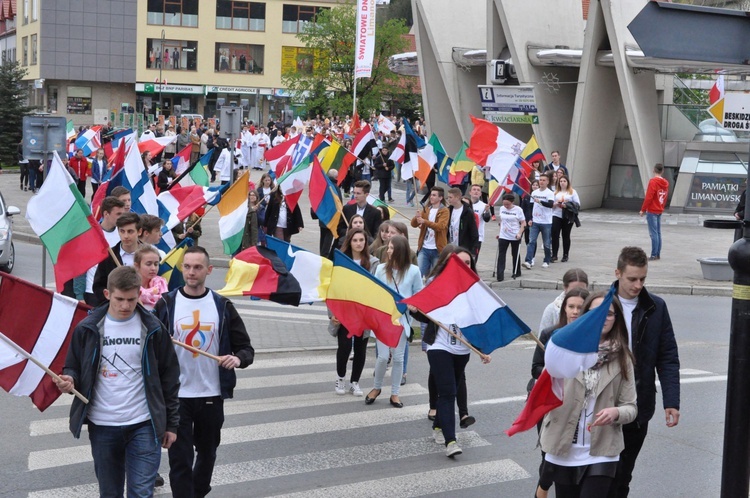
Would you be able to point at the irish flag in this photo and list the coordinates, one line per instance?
(61, 218)
(233, 213)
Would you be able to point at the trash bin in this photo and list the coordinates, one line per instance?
(716, 269)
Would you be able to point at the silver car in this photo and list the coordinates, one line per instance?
(7, 251)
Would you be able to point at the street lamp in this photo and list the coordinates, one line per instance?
(161, 66)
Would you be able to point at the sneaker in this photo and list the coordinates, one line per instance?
(545, 265)
(355, 390)
(340, 386)
(453, 449)
(437, 434)
(533, 261)
(159, 481)
(527, 265)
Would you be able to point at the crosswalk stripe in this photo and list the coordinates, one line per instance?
(45, 459)
(239, 407)
(305, 308)
(269, 468)
(425, 483)
(276, 315)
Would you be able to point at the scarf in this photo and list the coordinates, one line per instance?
(607, 351)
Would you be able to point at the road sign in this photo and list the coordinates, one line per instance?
(507, 99)
(148, 88)
(733, 111)
(499, 117)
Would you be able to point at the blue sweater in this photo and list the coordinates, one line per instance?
(406, 286)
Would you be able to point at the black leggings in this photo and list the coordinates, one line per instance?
(560, 226)
(462, 397)
(590, 487)
(342, 354)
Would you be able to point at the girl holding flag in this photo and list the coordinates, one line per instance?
(583, 438)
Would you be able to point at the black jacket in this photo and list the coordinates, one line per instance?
(371, 215)
(537, 363)
(160, 368)
(102, 273)
(293, 218)
(233, 338)
(655, 351)
(382, 167)
(468, 235)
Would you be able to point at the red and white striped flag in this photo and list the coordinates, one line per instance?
(41, 323)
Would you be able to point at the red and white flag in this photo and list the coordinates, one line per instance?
(717, 91)
(41, 323)
(492, 146)
(397, 155)
(280, 157)
(364, 142)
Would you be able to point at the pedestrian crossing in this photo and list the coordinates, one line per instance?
(290, 434)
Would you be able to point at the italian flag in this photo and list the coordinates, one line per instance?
(58, 214)
(233, 214)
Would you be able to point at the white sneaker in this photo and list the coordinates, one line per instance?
(527, 265)
(437, 434)
(355, 390)
(453, 449)
(545, 265)
(340, 386)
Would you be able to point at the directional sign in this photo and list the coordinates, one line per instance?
(498, 117)
(733, 111)
(507, 99)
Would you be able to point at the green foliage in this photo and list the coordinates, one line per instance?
(14, 106)
(397, 9)
(330, 83)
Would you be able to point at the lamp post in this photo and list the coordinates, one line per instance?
(161, 66)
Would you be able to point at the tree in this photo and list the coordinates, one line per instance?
(397, 9)
(14, 106)
(327, 82)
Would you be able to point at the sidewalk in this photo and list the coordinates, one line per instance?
(595, 245)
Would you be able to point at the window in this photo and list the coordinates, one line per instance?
(173, 13)
(52, 99)
(79, 100)
(237, 58)
(26, 11)
(25, 48)
(178, 55)
(33, 49)
(246, 16)
(296, 17)
(34, 10)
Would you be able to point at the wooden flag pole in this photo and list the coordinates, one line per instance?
(196, 350)
(485, 357)
(114, 258)
(536, 339)
(38, 363)
(389, 207)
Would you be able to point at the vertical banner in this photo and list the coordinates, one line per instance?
(365, 46)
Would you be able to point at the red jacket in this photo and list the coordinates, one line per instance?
(656, 196)
(80, 166)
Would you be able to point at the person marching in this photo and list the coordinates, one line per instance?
(564, 216)
(512, 227)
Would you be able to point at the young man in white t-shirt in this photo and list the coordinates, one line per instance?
(481, 212)
(541, 221)
(123, 356)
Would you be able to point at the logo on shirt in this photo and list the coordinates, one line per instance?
(197, 336)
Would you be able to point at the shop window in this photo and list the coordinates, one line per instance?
(173, 13)
(297, 17)
(244, 16)
(239, 58)
(79, 100)
(178, 55)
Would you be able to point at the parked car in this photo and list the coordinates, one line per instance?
(7, 251)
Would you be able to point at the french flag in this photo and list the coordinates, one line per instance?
(571, 350)
(458, 296)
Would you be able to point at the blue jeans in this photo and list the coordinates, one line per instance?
(654, 231)
(366, 176)
(121, 450)
(426, 259)
(546, 230)
(397, 367)
(410, 192)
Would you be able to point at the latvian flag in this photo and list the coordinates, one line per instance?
(41, 323)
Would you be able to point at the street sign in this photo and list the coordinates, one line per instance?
(507, 99)
(42, 135)
(498, 117)
(733, 111)
(148, 88)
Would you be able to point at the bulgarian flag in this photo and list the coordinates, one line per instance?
(60, 217)
(233, 214)
(70, 131)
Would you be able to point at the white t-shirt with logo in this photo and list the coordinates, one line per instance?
(455, 224)
(119, 395)
(196, 323)
(542, 215)
(429, 235)
(510, 222)
(446, 342)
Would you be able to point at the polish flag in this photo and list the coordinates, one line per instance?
(491, 146)
(717, 91)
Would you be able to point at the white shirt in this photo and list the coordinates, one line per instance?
(564, 196)
(479, 211)
(282, 216)
(429, 236)
(510, 222)
(224, 165)
(628, 306)
(455, 224)
(542, 215)
(196, 322)
(127, 257)
(446, 342)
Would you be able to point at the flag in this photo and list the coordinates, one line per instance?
(462, 166)
(111, 147)
(258, 272)
(59, 215)
(181, 202)
(302, 150)
(299, 124)
(426, 160)
(532, 152)
(570, 350)
(356, 125)
(279, 158)
(717, 91)
(337, 157)
(411, 159)
(312, 272)
(410, 132)
(233, 214)
(70, 131)
(458, 296)
(142, 194)
(111, 180)
(155, 145)
(187, 175)
(293, 182)
(41, 323)
(181, 160)
(443, 162)
(375, 202)
(491, 146)
(365, 42)
(324, 200)
(364, 142)
(397, 154)
(319, 146)
(362, 302)
(385, 125)
(170, 268)
(90, 140)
